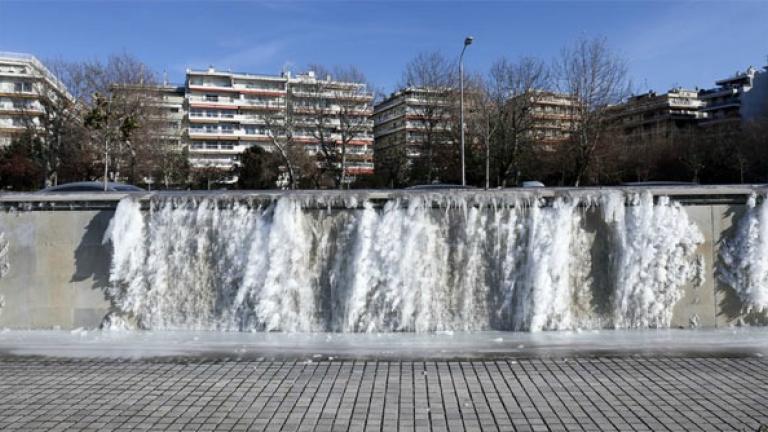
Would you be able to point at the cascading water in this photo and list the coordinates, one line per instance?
(419, 262)
(4, 262)
(745, 256)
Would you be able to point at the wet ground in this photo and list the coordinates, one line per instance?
(383, 346)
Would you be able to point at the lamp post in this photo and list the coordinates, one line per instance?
(467, 42)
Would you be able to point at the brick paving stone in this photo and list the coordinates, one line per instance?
(580, 394)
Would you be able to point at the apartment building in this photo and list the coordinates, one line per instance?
(657, 116)
(24, 82)
(404, 121)
(229, 112)
(326, 112)
(554, 117)
(740, 98)
(168, 111)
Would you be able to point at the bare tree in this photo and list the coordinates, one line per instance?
(336, 106)
(431, 78)
(280, 127)
(122, 99)
(51, 122)
(515, 89)
(595, 77)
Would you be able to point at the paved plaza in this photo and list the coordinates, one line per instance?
(630, 393)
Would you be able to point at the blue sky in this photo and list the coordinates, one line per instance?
(666, 43)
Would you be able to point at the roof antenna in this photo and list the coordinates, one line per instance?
(165, 77)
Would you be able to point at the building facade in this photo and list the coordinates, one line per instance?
(554, 117)
(227, 113)
(410, 117)
(24, 81)
(740, 98)
(657, 116)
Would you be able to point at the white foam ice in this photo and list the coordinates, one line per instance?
(744, 256)
(653, 250)
(420, 262)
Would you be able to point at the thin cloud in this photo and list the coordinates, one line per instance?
(251, 59)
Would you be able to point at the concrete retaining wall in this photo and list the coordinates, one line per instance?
(59, 266)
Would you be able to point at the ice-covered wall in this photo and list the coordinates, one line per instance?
(420, 262)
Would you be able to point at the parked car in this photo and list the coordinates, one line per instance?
(532, 184)
(92, 186)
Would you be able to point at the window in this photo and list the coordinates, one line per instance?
(253, 130)
(22, 86)
(212, 98)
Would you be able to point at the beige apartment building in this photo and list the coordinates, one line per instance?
(168, 113)
(554, 117)
(657, 116)
(405, 120)
(229, 112)
(24, 82)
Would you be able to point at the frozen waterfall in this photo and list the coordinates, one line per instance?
(745, 256)
(416, 262)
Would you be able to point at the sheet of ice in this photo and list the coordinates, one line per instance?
(383, 346)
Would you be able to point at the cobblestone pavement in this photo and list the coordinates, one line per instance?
(623, 393)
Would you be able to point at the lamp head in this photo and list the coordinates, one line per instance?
(468, 40)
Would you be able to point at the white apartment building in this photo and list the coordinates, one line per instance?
(229, 112)
(740, 98)
(659, 116)
(24, 80)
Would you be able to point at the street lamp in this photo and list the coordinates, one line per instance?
(467, 42)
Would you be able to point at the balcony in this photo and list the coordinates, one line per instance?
(256, 105)
(18, 94)
(250, 119)
(261, 91)
(219, 103)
